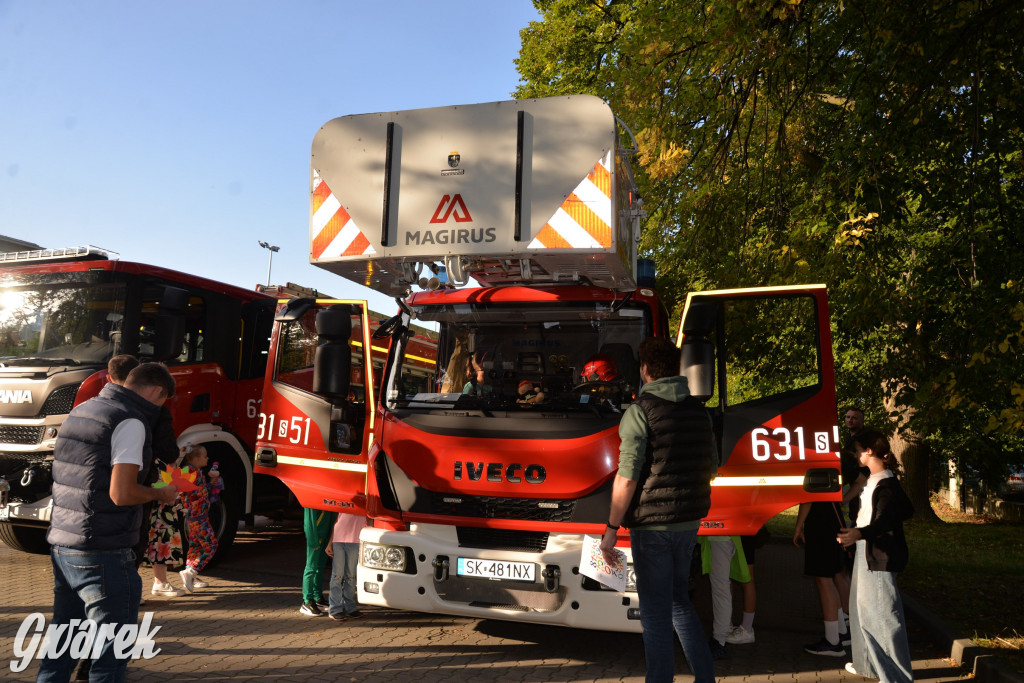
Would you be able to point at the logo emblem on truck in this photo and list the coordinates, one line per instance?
(15, 396)
(451, 204)
(498, 472)
(453, 159)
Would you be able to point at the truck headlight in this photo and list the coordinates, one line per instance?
(392, 558)
(630, 579)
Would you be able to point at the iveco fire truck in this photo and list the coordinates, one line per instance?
(65, 312)
(484, 463)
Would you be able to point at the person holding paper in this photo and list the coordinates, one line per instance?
(667, 459)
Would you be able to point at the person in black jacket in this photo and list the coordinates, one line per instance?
(100, 462)
(667, 458)
(878, 627)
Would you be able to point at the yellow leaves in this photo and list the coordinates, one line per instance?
(661, 158)
(854, 231)
(657, 48)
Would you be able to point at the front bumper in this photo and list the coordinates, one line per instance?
(426, 586)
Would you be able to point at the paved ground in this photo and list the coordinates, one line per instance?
(246, 626)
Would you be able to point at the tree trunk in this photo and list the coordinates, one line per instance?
(915, 460)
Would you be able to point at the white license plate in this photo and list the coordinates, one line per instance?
(495, 569)
(5, 513)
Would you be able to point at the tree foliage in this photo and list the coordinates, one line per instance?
(872, 146)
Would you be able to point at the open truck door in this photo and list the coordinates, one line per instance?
(762, 359)
(316, 418)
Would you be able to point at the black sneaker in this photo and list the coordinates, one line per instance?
(717, 649)
(825, 648)
(844, 639)
(310, 609)
(338, 617)
(323, 605)
(355, 614)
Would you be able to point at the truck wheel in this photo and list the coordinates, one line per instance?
(25, 538)
(224, 516)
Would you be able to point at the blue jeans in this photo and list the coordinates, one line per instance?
(661, 561)
(343, 579)
(878, 629)
(102, 585)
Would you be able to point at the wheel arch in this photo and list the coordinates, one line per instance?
(226, 442)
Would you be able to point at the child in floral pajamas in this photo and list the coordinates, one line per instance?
(202, 541)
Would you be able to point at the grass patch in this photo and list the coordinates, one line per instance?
(968, 570)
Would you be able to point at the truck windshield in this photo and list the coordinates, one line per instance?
(537, 357)
(71, 323)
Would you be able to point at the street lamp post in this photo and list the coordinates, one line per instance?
(271, 248)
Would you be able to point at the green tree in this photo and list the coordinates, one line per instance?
(873, 146)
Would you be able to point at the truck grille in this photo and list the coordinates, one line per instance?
(60, 400)
(14, 463)
(502, 539)
(488, 507)
(25, 436)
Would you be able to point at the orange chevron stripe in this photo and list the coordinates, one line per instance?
(358, 246)
(588, 220)
(601, 178)
(330, 231)
(320, 194)
(551, 239)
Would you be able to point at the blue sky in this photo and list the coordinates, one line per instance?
(179, 133)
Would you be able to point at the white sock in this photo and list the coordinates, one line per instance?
(832, 632)
(748, 621)
(842, 622)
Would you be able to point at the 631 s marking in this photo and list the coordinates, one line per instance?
(761, 445)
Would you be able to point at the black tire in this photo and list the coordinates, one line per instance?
(28, 539)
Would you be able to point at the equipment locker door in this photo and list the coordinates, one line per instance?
(763, 360)
(316, 418)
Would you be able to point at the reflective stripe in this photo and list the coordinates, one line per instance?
(584, 220)
(332, 230)
(322, 464)
(794, 480)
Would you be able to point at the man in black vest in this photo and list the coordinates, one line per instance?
(99, 463)
(661, 491)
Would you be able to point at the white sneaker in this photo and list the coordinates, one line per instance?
(166, 590)
(188, 578)
(199, 582)
(740, 636)
(850, 669)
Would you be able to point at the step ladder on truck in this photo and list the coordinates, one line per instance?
(479, 499)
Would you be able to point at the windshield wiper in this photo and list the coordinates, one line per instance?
(16, 361)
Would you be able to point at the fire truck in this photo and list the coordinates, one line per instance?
(65, 312)
(479, 492)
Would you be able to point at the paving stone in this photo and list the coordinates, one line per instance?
(246, 626)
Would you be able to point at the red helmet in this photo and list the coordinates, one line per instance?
(600, 367)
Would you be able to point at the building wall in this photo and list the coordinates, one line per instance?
(12, 244)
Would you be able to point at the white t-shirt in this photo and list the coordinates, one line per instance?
(864, 514)
(126, 443)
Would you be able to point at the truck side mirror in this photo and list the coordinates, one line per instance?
(332, 361)
(169, 325)
(697, 357)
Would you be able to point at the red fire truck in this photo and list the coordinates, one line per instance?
(65, 312)
(479, 499)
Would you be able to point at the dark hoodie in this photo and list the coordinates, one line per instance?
(886, 544)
